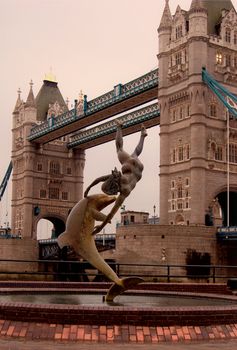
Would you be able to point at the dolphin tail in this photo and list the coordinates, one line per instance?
(127, 283)
(63, 240)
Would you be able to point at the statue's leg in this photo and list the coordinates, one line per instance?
(139, 148)
(119, 137)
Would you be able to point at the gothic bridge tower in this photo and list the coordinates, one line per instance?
(47, 179)
(193, 133)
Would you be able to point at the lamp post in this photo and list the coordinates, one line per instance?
(154, 208)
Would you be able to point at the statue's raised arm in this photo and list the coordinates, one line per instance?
(131, 171)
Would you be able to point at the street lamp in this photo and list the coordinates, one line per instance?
(154, 208)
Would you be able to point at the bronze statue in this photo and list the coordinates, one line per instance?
(80, 225)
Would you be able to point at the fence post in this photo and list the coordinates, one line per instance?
(168, 273)
(214, 274)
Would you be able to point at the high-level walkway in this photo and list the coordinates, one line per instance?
(119, 100)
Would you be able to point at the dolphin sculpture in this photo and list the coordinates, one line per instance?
(79, 235)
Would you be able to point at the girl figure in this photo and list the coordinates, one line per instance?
(124, 182)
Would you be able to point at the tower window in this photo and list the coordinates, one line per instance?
(65, 196)
(187, 152)
(188, 110)
(179, 32)
(180, 154)
(218, 153)
(42, 193)
(174, 116)
(219, 58)
(227, 35)
(181, 113)
(213, 110)
(178, 58)
(228, 60)
(235, 62)
(235, 38)
(233, 153)
(174, 156)
(39, 167)
(54, 168)
(69, 171)
(53, 193)
(180, 191)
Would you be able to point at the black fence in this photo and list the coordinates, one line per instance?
(83, 271)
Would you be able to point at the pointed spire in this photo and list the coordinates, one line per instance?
(18, 101)
(166, 19)
(30, 102)
(67, 101)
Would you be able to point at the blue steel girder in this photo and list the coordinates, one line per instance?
(5, 180)
(224, 95)
(148, 116)
(120, 99)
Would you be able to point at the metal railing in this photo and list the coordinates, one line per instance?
(61, 269)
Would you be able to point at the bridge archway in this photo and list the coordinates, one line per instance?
(50, 227)
(217, 210)
(222, 199)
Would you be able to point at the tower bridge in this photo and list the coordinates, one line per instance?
(198, 147)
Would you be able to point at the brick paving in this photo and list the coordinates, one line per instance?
(115, 334)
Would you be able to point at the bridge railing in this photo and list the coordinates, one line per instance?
(75, 270)
(119, 93)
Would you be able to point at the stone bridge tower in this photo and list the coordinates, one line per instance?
(47, 179)
(193, 133)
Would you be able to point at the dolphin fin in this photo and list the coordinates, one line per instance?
(63, 240)
(116, 289)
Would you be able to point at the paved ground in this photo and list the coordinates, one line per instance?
(11, 344)
(15, 335)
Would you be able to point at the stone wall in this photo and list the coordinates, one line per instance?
(163, 245)
(18, 249)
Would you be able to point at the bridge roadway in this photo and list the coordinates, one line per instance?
(121, 99)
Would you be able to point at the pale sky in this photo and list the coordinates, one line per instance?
(91, 45)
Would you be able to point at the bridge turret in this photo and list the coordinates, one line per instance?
(165, 27)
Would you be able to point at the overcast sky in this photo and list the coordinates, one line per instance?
(91, 45)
